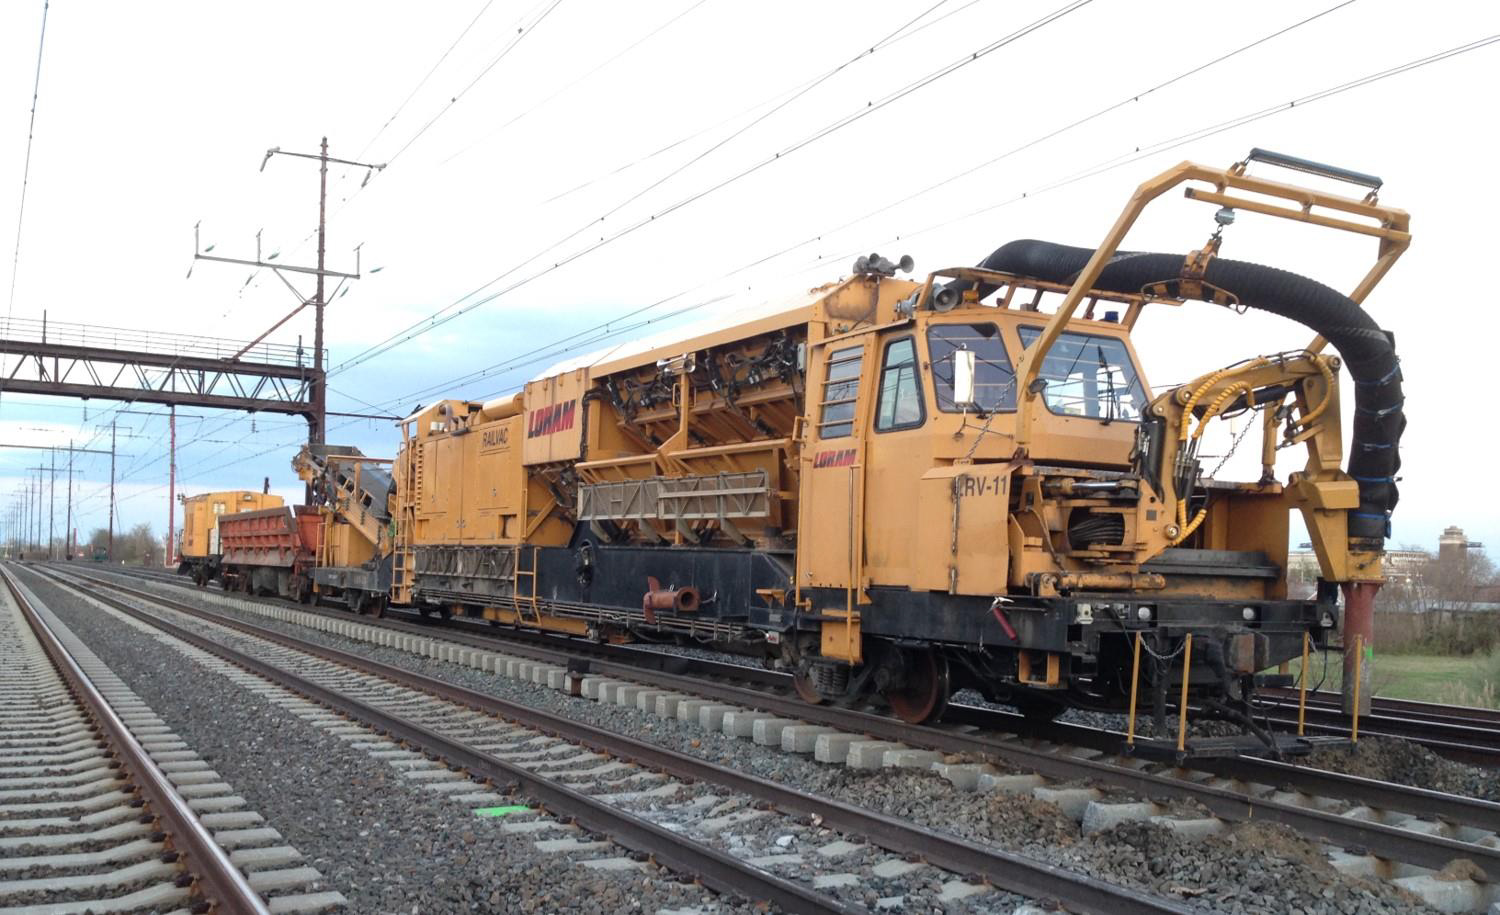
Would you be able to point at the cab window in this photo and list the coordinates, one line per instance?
(994, 379)
(1089, 375)
(840, 391)
(900, 404)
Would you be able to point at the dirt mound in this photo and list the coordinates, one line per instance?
(1392, 760)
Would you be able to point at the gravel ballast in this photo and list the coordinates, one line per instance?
(1259, 869)
(388, 846)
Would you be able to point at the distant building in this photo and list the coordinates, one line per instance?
(1404, 570)
(1404, 566)
(1453, 542)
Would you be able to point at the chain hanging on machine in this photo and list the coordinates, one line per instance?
(1233, 446)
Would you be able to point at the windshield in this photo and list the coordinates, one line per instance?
(994, 379)
(1088, 375)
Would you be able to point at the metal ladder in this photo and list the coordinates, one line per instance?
(401, 559)
(527, 601)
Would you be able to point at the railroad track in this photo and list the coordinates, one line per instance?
(613, 785)
(1462, 733)
(103, 809)
(1373, 828)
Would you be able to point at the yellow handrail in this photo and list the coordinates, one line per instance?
(1187, 666)
(1302, 686)
(1135, 675)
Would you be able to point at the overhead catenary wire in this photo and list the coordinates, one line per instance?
(907, 31)
(522, 31)
(600, 66)
(15, 264)
(1078, 122)
(1167, 144)
(770, 100)
(521, 34)
(422, 82)
(778, 103)
(1137, 153)
(453, 310)
(1115, 162)
(1179, 140)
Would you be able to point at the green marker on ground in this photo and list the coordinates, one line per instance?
(501, 811)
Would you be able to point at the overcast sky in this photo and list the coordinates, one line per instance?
(504, 163)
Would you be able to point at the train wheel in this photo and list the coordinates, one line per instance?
(924, 695)
(803, 683)
(377, 606)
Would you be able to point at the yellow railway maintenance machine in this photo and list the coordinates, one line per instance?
(352, 495)
(904, 489)
(198, 552)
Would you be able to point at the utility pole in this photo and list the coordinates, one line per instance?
(317, 418)
(52, 506)
(34, 507)
(20, 509)
(320, 389)
(111, 548)
(68, 531)
(172, 481)
(37, 513)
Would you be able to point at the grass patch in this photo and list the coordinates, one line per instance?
(1472, 680)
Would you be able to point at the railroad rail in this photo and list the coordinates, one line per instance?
(1462, 733)
(1237, 801)
(177, 858)
(1015, 873)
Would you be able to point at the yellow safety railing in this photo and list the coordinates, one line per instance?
(1135, 677)
(1302, 686)
(1187, 665)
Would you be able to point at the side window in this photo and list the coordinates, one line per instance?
(994, 379)
(900, 405)
(840, 390)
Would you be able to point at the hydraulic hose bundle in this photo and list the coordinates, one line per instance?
(1368, 351)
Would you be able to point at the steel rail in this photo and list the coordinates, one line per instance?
(653, 667)
(671, 672)
(1416, 709)
(1421, 802)
(217, 880)
(1468, 733)
(1013, 872)
(1476, 745)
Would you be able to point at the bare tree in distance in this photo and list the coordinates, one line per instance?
(138, 546)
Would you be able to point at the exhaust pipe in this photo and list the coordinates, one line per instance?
(678, 600)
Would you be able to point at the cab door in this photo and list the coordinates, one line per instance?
(830, 550)
(899, 452)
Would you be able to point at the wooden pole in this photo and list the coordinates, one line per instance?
(68, 529)
(110, 550)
